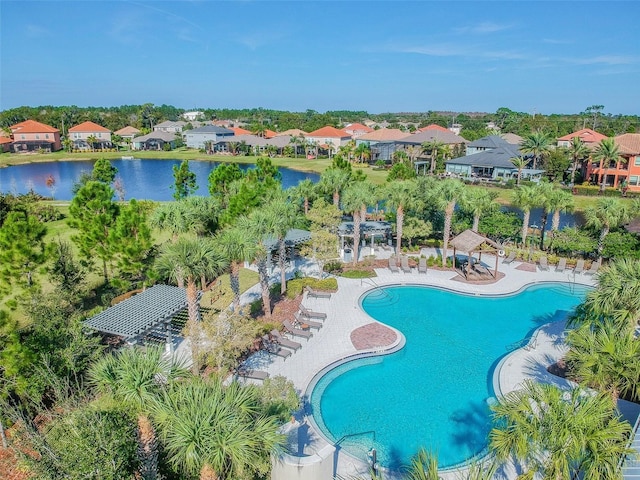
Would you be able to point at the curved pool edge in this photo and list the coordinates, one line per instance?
(399, 344)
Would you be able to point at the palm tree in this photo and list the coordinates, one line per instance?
(606, 359)
(578, 151)
(399, 196)
(536, 144)
(434, 148)
(92, 140)
(284, 216)
(356, 198)
(556, 434)
(134, 376)
(191, 259)
(617, 294)
(526, 198)
(558, 201)
(424, 466)
(520, 163)
(333, 181)
(236, 245)
(296, 140)
(449, 193)
(479, 201)
(608, 213)
(306, 191)
(169, 217)
(216, 431)
(607, 152)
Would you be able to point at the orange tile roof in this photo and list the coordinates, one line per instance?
(89, 127)
(586, 135)
(128, 130)
(433, 126)
(383, 134)
(239, 131)
(31, 126)
(269, 133)
(4, 140)
(328, 132)
(354, 127)
(628, 143)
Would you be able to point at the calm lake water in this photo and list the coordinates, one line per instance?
(149, 179)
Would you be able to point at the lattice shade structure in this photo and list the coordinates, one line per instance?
(141, 313)
(293, 237)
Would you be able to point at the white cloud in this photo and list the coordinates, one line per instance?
(606, 60)
(482, 28)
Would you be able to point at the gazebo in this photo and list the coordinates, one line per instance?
(471, 242)
(146, 315)
(371, 229)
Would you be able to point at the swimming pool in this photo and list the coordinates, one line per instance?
(432, 393)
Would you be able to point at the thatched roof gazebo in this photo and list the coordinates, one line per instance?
(471, 242)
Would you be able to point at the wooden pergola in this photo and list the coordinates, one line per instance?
(471, 242)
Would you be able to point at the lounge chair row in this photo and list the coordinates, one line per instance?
(543, 264)
(404, 265)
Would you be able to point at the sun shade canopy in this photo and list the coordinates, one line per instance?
(140, 313)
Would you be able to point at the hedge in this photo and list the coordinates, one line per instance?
(295, 286)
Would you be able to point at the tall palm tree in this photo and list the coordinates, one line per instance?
(578, 151)
(606, 359)
(606, 152)
(305, 191)
(520, 163)
(526, 198)
(135, 376)
(216, 431)
(538, 145)
(191, 259)
(558, 201)
(236, 245)
(556, 434)
(399, 196)
(449, 193)
(92, 140)
(284, 216)
(434, 148)
(479, 201)
(357, 197)
(617, 294)
(333, 181)
(608, 213)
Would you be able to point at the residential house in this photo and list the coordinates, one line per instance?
(490, 159)
(199, 137)
(5, 144)
(293, 132)
(170, 127)
(127, 132)
(192, 116)
(440, 134)
(357, 129)
(155, 141)
(80, 135)
(32, 136)
(256, 144)
(433, 126)
(626, 172)
(381, 142)
(512, 138)
(328, 138)
(591, 139)
(239, 131)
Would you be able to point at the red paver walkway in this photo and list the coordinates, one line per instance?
(372, 335)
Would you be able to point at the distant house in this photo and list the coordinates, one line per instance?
(5, 144)
(328, 135)
(257, 144)
(32, 136)
(127, 132)
(239, 131)
(192, 116)
(357, 129)
(170, 127)
(490, 159)
(154, 141)
(621, 173)
(382, 142)
(293, 132)
(589, 137)
(428, 135)
(197, 137)
(433, 126)
(80, 135)
(512, 138)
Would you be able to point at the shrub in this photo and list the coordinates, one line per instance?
(358, 274)
(295, 287)
(333, 267)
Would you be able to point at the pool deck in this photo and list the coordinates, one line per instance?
(347, 324)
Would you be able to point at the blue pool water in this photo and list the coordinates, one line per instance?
(433, 393)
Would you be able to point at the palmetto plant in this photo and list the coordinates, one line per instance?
(608, 213)
(607, 152)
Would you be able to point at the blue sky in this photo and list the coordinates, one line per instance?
(378, 56)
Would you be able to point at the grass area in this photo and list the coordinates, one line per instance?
(221, 296)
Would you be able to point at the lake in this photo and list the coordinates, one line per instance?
(149, 179)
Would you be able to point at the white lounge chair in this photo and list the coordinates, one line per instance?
(393, 266)
(562, 265)
(422, 265)
(296, 331)
(404, 264)
(579, 267)
(543, 264)
(317, 293)
(595, 266)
